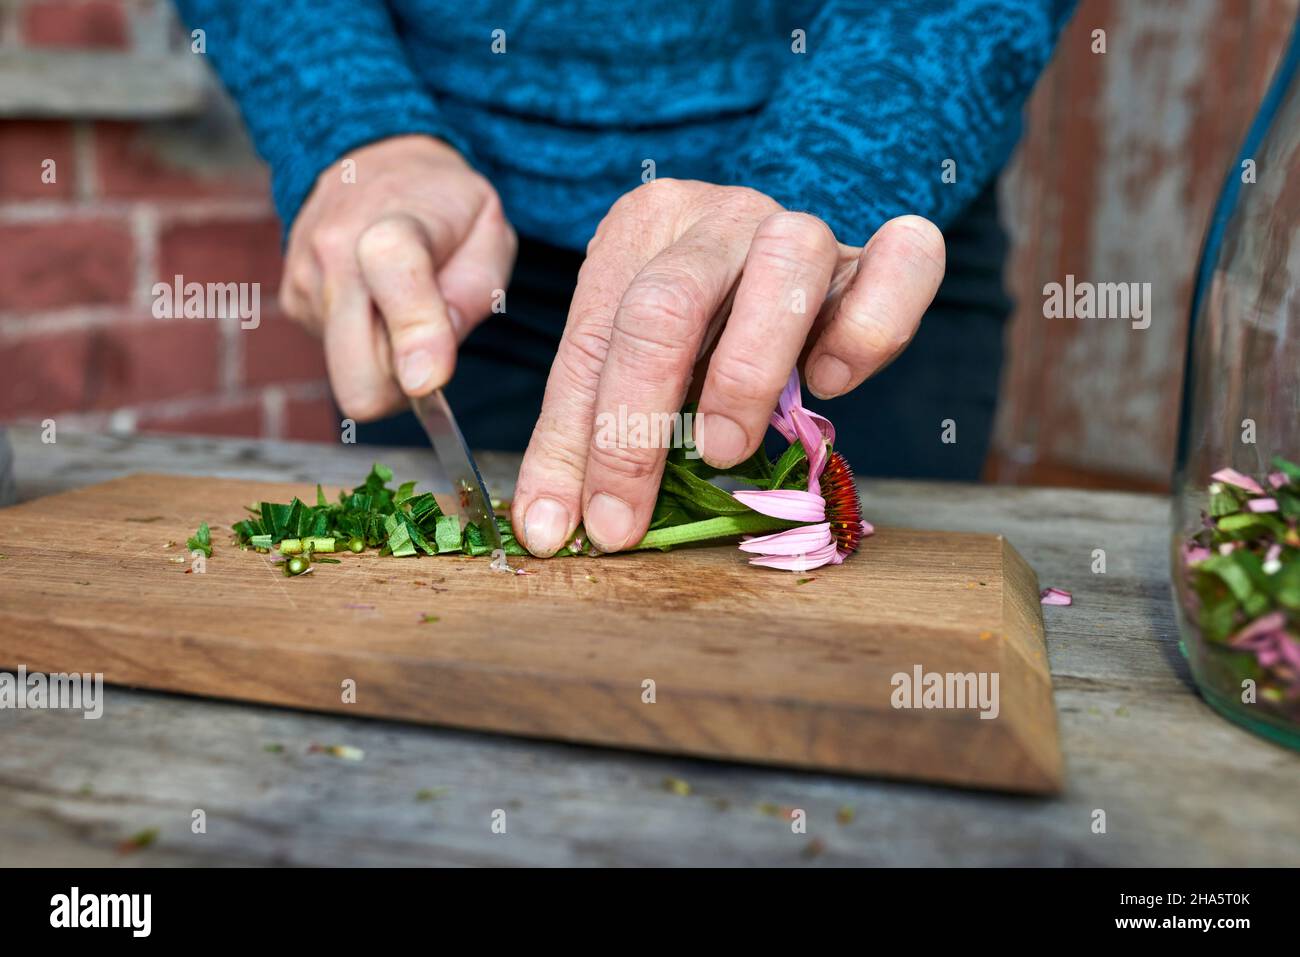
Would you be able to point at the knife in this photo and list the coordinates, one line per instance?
(454, 456)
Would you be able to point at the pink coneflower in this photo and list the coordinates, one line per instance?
(830, 505)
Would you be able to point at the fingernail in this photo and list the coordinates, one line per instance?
(415, 369)
(608, 521)
(724, 440)
(545, 524)
(830, 376)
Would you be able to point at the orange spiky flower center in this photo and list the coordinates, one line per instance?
(843, 507)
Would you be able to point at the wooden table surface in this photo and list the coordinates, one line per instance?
(1177, 784)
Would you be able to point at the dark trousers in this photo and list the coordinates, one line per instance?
(892, 425)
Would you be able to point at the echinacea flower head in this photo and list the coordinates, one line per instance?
(830, 506)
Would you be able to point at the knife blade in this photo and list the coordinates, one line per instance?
(458, 463)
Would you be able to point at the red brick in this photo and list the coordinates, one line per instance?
(75, 24)
(107, 367)
(238, 250)
(243, 419)
(24, 146)
(137, 362)
(312, 420)
(131, 162)
(48, 265)
(42, 375)
(279, 350)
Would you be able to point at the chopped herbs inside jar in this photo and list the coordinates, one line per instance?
(1243, 571)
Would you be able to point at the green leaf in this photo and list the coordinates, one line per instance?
(1251, 520)
(447, 534)
(668, 512)
(404, 491)
(320, 497)
(1224, 502)
(787, 472)
(201, 541)
(698, 498)
(398, 537)
(474, 542)
(1286, 584)
(509, 544)
(1289, 469)
(424, 509)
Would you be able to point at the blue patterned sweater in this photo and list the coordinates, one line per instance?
(855, 129)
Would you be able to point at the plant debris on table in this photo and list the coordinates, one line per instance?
(201, 541)
(1243, 567)
(138, 841)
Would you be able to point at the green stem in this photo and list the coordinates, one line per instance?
(724, 526)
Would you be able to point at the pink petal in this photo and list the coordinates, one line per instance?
(1274, 553)
(1261, 505)
(800, 563)
(1289, 649)
(1195, 553)
(1233, 477)
(790, 504)
(810, 436)
(1055, 596)
(823, 424)
(1265, 625)
(1277, 479)
(790, 399)
(793, 541)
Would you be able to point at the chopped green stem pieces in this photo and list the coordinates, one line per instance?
(403, 522)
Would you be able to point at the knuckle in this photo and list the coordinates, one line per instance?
(586, 345)
(625, 462)
(663, 308)
(868, 336)
(384, 240)
(748, 199)
(796, 237)
(552, 462)
(661, 189)
(737, 380)
(331, 243)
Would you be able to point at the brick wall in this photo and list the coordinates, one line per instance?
(134, 202)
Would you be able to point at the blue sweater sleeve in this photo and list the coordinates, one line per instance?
(313, 79)
(860, 126)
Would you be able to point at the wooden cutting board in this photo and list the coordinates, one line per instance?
(746, 664)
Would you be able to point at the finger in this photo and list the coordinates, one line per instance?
(474, 279)
(356, 353)
(398, 268)
(658, 328)
(786, 274)
(899, 272)
(548, 495)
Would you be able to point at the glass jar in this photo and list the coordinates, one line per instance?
(1236, 550)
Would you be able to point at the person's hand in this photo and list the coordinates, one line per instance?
(668, 260)
(395, 268)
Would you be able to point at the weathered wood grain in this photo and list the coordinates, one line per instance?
(1123, 157)
(746, 664)
(1180, 786)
